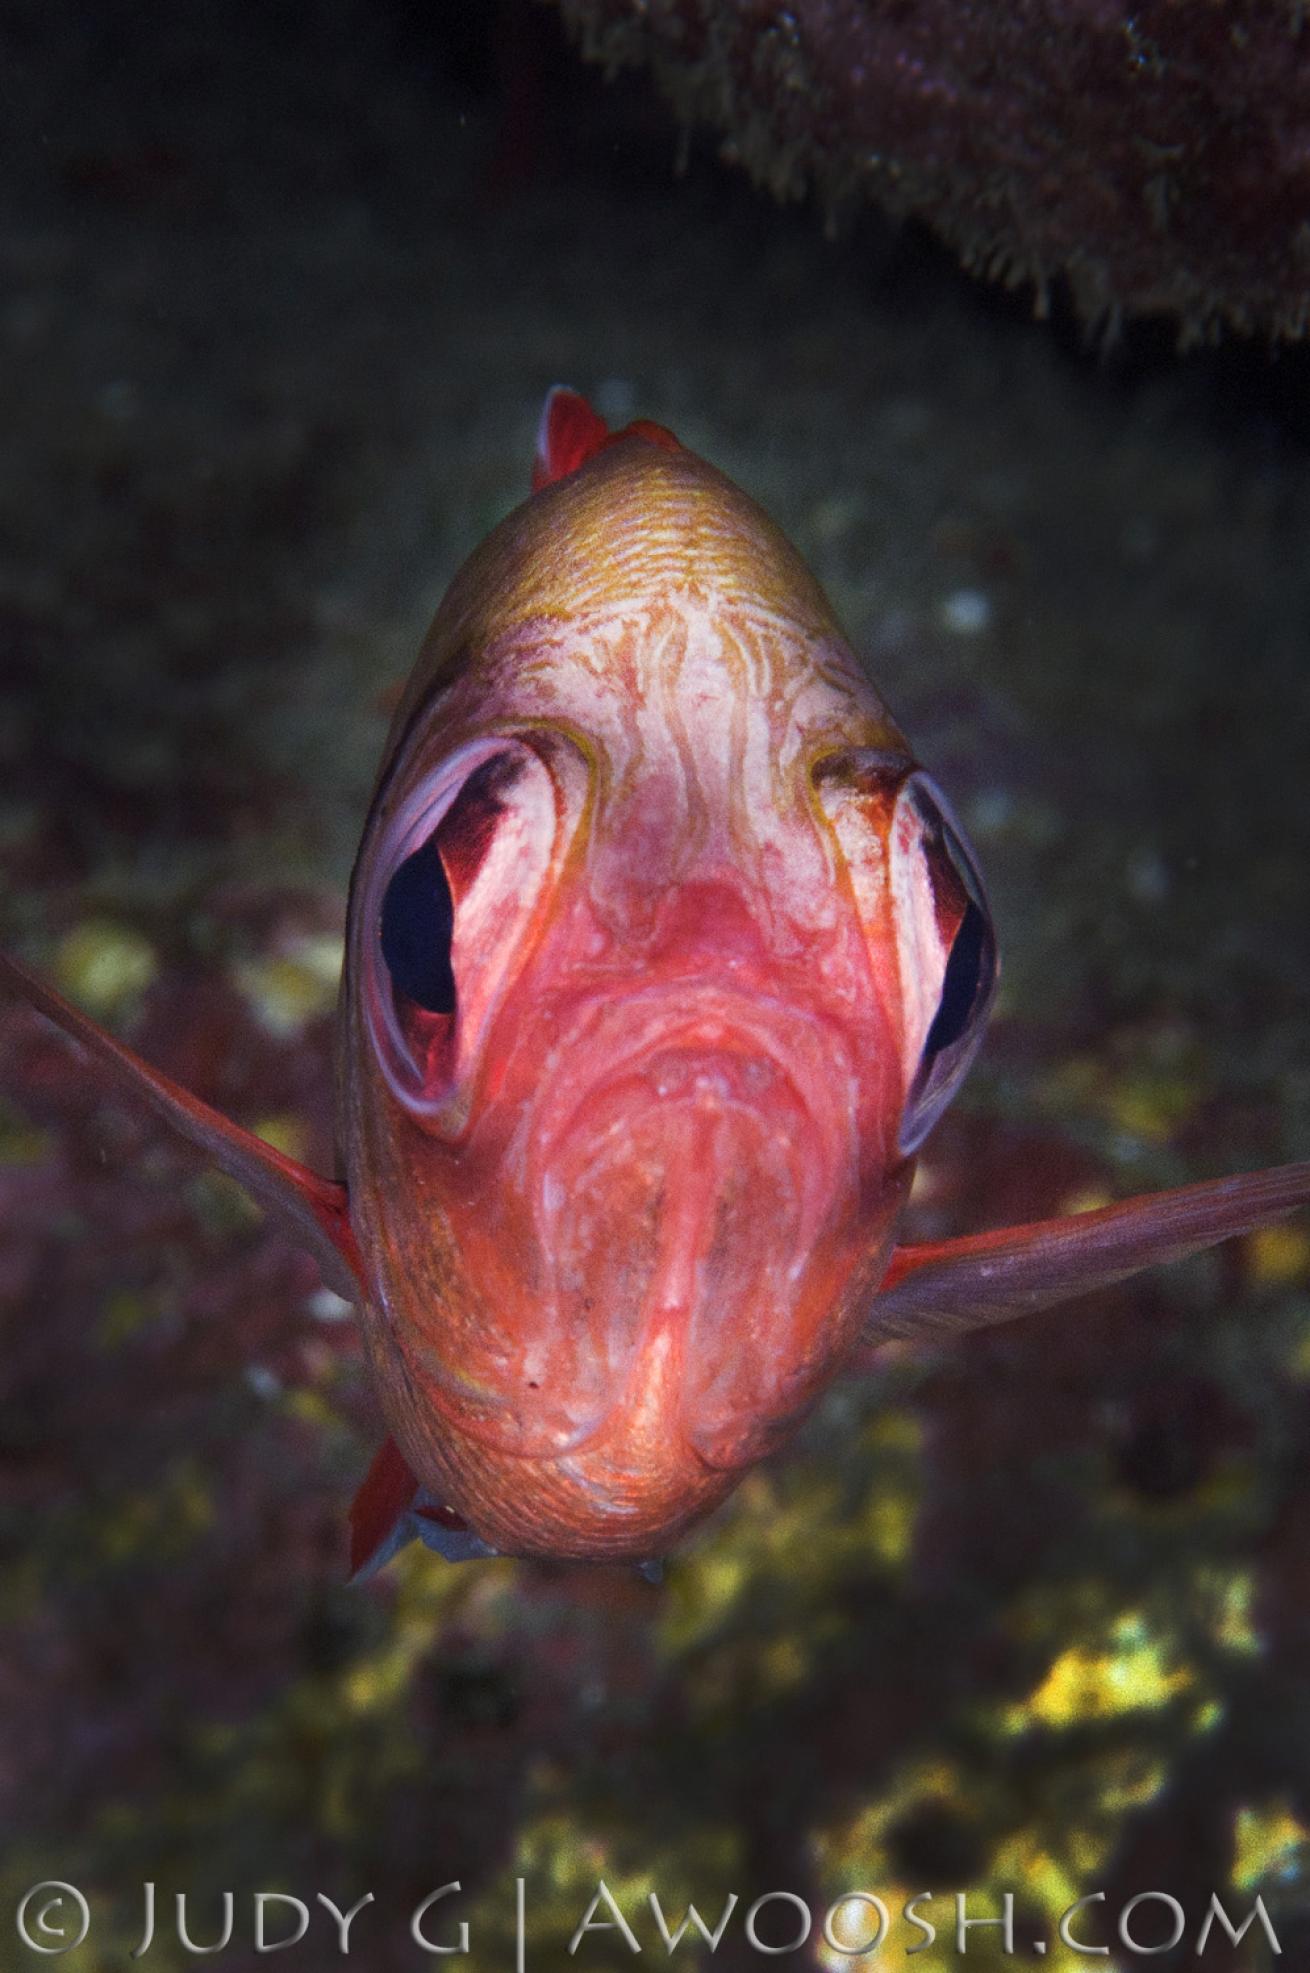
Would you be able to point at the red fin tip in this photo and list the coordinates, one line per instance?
(388, 1492)
(571, 433)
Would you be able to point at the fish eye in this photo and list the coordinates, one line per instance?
(967, 971)
(958, 913)
(454, 877)
(418, 925)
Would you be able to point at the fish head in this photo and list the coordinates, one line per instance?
(663, 957)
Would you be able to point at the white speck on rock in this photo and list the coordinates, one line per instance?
(326, 1306)
(1146, 876)
(966, 611)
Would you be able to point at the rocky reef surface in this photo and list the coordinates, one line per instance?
(1156, 159)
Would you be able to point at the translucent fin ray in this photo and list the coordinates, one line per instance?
(312, 1209)
(958, 1285)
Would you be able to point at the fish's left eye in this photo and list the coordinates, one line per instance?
(948, 949)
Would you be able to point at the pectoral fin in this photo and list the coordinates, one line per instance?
(391, 1509)
(944, 1289)
(313, 1209)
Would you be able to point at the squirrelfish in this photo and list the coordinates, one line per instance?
(663, 957)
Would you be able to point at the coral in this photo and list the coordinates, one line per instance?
(1157, 158)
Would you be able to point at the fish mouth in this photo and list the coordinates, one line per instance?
(706, 1051)
(682, 1164)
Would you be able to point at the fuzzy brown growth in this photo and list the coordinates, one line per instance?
(1157, 158)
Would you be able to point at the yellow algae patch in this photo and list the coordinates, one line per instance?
(916, 1783)
(1051, 1881)
(1049, 1861)
(563, 1865)
(555, 1851)
(221, 1203)
(1232, 1623)
(311, 1408)
(892, 1510)
(124, 1315)
(287, 1134)
(104, 966)
(796, 1531)
(1279, 1255)
(855, 1857)
(163, 1522)
(859, 1843)
(21, 1143)
(1298, 1353)
(376, 1683)
(1269, 1842)
(289, 988)
(563, 1862)
(1091, 1199)
(426, 1590)
(1121, 1779)
(1131, 1673)
(1148, 1103)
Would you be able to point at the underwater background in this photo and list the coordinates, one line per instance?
(281, 291)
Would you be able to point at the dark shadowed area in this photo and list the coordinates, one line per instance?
(281, 290)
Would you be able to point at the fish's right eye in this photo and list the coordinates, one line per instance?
(456, 878)
(416, 923)
(417, 931)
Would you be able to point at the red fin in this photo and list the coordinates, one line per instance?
(313, 1208)
(570, 433)
(654, 434)
(388, 1491)
(1017, 1270)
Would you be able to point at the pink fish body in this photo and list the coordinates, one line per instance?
(626, 1195)
(663, 957)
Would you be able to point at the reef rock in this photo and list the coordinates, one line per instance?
(1157, 158)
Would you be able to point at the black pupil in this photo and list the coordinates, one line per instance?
(960, 987)
(418, 924)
